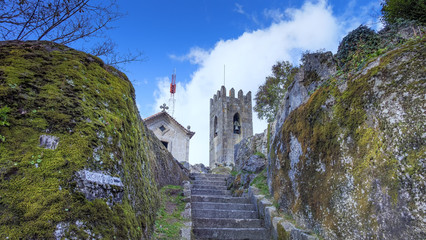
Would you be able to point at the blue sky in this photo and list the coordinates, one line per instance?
(199, 37)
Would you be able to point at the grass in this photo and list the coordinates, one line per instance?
(260, 182)
(169, 220)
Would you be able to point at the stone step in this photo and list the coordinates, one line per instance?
(210, 192)
(219, 199)
(211, 183)
(226, 223)
(222, 206)
(211, 179)
(199, 186)
(231, 233)
(209, 175)
(214, 213)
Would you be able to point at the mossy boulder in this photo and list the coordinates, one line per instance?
(76, 160)
(348, 159)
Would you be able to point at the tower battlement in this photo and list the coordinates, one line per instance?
(221, 96)
(230, 122)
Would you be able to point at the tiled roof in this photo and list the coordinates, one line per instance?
(164, 113)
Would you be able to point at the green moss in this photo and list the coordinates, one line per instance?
(221, 170)
(70, 95)
(3, 119)
(260, 154)
(347, 129)
(282, 233)
(260, 182)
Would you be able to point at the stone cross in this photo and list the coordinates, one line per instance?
(164, 107)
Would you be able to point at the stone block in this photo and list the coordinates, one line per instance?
(270, 212)
(298, 234)
(284, 230)
(49, 142)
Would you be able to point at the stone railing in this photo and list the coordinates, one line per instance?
(278, 226)
(186, 231)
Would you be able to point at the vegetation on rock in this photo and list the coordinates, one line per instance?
(395, 10)
(270, 94)
(72, 125)
(350, 159)
(359, 42)
(3, 119)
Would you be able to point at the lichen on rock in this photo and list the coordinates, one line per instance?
(99, 181)
(348, 160)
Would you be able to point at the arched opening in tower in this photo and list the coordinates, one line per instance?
(237, 124)
(215, 126)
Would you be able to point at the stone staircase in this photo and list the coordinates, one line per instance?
(218, 215)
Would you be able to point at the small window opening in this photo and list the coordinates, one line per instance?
(215, 126)
(162, 128)
(165, 143)
(237, 125)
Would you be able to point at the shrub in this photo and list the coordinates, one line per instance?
(358, 43)
(394, 10)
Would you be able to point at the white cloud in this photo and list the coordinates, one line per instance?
(195, 56)
(275, 14)
(248, 61)
(239, 8)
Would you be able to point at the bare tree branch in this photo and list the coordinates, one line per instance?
(65, 22)
(62, 21)
(29, 20)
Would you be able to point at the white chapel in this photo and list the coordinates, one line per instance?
(171, 133)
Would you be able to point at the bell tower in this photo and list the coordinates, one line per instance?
(230, 122)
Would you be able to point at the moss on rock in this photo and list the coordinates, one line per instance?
(360, 172)
(90, 108)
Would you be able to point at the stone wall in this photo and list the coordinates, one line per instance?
(167, 170)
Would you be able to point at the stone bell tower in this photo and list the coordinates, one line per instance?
(230, 122)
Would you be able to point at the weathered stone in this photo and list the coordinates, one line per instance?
(99, 185)
(100, 179)
(199, 168)
(61, 229)
(167, 170)
(186, 231)
(343, 150)
(249, 154)
(49, 142)
(254, 164)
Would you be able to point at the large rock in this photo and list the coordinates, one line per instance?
(249, 154)
(167, 170)
(199, 168)
(347, 154)
(77, 161)
(254, 164)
